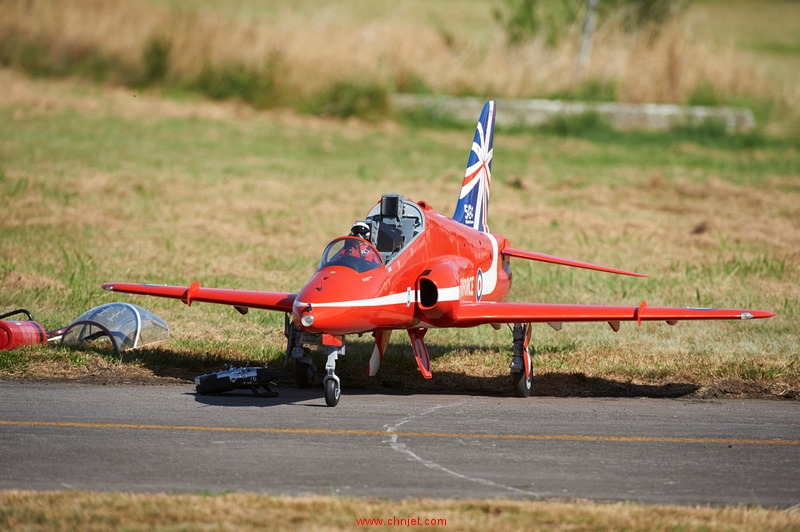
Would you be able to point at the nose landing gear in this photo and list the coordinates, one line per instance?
(331, 381)
(304, 368)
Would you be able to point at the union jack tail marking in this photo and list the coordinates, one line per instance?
(473, 200)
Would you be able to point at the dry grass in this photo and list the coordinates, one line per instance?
(311, 48)
(20, 510)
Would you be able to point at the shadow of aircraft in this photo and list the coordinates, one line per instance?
(398, 376)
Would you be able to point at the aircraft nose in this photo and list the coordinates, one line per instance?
(336, 320)
(339, 301)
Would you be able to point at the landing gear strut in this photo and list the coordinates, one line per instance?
(522, 363)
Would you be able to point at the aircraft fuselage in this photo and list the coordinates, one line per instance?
(419, 286)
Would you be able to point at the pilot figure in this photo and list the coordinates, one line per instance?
(364, 251)
(361, 230)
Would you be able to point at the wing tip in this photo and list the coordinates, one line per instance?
(756, 314)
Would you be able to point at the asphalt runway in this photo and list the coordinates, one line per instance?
(167, 438)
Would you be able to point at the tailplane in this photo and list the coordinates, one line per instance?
(473, 200)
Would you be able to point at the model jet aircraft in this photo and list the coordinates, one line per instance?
(407, 267)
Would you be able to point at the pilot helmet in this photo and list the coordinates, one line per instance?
(360, 229)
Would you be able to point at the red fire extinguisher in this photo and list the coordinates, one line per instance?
(14, 334)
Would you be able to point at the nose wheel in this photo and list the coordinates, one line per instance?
(333, 388)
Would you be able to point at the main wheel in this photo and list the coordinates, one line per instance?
(304, 370)
(522, 386)
(332, 392)
(304, 374)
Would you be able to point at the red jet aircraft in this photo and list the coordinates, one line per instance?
(407, 267)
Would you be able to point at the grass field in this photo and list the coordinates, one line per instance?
(103, 182)
(107, 185)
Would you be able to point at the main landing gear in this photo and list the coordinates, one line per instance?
(522, 363)
(304, 368)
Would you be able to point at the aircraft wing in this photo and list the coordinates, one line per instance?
(472, 314)
(241, 299)
(552, 259)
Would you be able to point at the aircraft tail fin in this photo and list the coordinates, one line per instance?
(473, 200)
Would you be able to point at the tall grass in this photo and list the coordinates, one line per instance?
(304, 58)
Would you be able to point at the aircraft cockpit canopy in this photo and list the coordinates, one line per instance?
(125, 325)
(351, 252)
(375, 241)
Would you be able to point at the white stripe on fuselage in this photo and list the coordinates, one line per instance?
(399, 298)
(391, 299)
